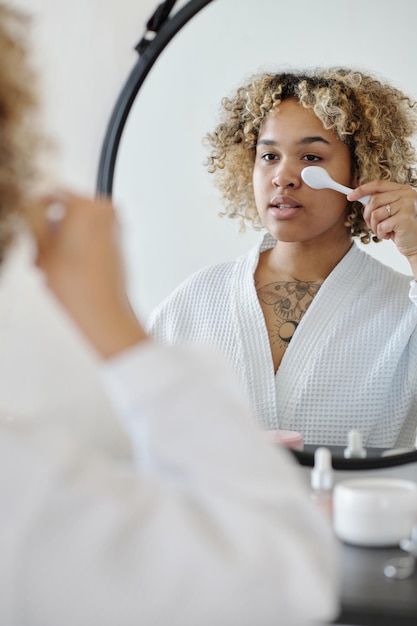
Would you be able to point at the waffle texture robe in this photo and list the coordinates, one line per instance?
(351, 364)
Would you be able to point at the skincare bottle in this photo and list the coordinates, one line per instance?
(354, 449)
(322, 480)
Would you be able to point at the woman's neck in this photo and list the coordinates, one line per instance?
(302, 261)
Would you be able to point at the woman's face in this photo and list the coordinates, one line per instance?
(289, 140)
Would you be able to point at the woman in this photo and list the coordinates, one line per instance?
(322, 336)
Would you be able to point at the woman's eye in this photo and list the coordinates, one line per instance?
(311, 157)
(269, 156)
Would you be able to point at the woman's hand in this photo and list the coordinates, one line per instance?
(391, 213)
(78, 250)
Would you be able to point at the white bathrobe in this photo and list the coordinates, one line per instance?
(352, 362)
(183, 516)
(47, 369)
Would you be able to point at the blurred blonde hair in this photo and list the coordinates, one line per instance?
(19, 133)
(376, 121)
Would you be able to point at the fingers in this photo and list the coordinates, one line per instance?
(381, 219)
(60, 218)
(76, 238)
(375, 187)
(79, 254)
(390, 208)
(35, 215)
(44, 215)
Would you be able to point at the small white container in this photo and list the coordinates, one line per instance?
(374, 511)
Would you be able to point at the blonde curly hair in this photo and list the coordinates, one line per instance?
(374, 119)
(19, 138)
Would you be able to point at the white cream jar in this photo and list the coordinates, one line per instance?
(374, 511)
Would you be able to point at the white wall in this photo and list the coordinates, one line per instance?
(168, 204)
(85, 51)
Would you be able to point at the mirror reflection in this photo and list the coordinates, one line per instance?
(297, 315)
(172, 156)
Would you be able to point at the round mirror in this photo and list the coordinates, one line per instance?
(151, 161)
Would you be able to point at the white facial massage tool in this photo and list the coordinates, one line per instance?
(318, 178)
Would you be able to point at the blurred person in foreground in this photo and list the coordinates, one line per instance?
(180, 513)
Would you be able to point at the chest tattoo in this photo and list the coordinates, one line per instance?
(284, 304)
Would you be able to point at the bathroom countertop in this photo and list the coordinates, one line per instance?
(368, 597)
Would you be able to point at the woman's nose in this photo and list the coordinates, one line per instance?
(285, 176)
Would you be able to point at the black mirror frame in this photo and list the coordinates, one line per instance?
(367, 463)
(149, 50)
(161, 28)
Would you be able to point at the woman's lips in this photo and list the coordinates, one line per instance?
(284, 207)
